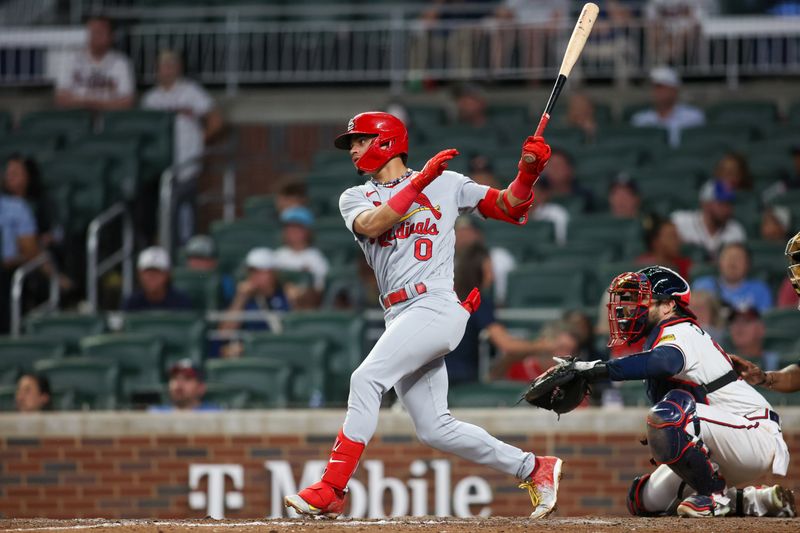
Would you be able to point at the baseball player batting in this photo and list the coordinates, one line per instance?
(403, 220)
(707, 430)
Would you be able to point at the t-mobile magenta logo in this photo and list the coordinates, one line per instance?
(216, 499)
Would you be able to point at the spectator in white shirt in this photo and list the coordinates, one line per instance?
(297, 253)
(97, 78)
(543, 209)
(197, 120)
(667, 112)
(713, 225)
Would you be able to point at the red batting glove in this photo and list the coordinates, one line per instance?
(437, 164)
(540, 150)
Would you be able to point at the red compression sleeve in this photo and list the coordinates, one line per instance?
(401, 202)
(522, 185)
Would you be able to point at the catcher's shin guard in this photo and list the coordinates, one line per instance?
(673, 446)
(635, 504)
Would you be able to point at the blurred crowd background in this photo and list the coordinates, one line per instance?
(169, 209)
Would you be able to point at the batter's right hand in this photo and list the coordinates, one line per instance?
(433, 168)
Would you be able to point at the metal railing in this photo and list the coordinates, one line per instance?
(18, 283)
(243, 46)
(124, 256)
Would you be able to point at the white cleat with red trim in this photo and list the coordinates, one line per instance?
(543, 485)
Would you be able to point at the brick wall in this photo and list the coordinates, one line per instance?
(148, 475)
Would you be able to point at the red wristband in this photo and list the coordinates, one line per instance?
(401, 202)
(522, 185)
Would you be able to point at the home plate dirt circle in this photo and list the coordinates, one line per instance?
(424, 524)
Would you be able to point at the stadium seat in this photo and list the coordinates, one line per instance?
(182, 333)
(666, 195)
(513, 135)
(38, 147)
(634, 393)
(493, 394)
(749, 113)
(76, 183)
(266, 381)
(154, 128)
(521, 241)
(226, 396)
(631, 109)
(794, 114)
(122, 153)
(648, 141)
(202, 287)
(66, 125)
(603, 229)
(344, 331)
(505, 115)
(6, 122)
(307, 357)
(533, 285)
(20, 355)
(782, 320)
(66, 328)
(235, 239)
(737, 136)
(424, 118)
(261, 208)
(138, 356)
(324, 197)
(81, 382)
(8, 394)
(604, 166)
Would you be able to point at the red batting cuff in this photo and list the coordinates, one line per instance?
(522, 185)
(401, 202)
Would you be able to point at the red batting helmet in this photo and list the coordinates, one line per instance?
(391, 139)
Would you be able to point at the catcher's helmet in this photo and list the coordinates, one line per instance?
(630, 296)
(793, 253)
(391, 139)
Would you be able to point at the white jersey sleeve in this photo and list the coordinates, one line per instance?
(352, 203)
(468, 193)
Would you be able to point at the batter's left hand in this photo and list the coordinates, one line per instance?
(537, 147)
(433, 168)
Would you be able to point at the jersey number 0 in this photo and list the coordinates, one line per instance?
(423, 249)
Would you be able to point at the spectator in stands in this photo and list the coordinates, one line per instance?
(663, 245)
(789, 182)
(713, 225)
(19, 244)
(674, 26)
(291, 194)
(33, 393)
(560, 174)
(197, 122)
(535, 41)
(708, 309)
(545, 210)
(555, 340)
(667, 112)
(186, 389)
(297, 253)
(787, 296)
(747, 333)
(732, 169)
(259, 291)
(732, 285)
(581, 326)
(471, 106)
(481, 171)
(469, 233)
(98, 78)
(775, 223)
(22, 180)
(624, 200)
(201, 255)
(473, 269)
(580, 114)
(156, 291)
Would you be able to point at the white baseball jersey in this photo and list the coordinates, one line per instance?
(421, 246)
(111, 77)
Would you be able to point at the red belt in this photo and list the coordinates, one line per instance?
(401, 295)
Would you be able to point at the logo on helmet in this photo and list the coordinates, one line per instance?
(351, 124)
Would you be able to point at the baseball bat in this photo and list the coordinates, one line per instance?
(583, 27)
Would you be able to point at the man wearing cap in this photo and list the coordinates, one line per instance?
(186, 389)
(733, 286)
(156, 292)
(713, 225)
(297, 254)
(667, 112)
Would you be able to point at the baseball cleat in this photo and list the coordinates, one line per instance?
(320, 499)
(543, 485)
(701, 506)
(782, 502)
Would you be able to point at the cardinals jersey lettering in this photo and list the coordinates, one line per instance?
(421, 246)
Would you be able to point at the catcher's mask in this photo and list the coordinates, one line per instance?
(630, 296)
(793, 253)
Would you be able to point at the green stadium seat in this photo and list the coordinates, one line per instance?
(749, 113)
(38, 147)
(21, 354)
(468, 141)
(631, 109)
(226, 396)
(603, 229)
(769, 167)
(154, 128)
(324, 197)
(506, 115)
(235, 239)
(266, 381)
(577, 253)
(122, 153)
(651, 141)
(261, 208)
(794, 114)
(667, 195)
(634, 393)
(344, 331)
(202, 287)
(66, 125)
(604, 273)
(514, 135)
(575, 205)
(493, 394)
(8, 397)
(183, 334)
(700, 270)
(782, 320)
(424, 118)
(307, 357)
(6, 123)
(678, 165)
(736, 136)
(533, 285)
(65, 328)
(76, 184)
(602, 166)
(81, 382)
(783, 342)
(138, 356)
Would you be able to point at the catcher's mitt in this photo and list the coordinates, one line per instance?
(561, 389)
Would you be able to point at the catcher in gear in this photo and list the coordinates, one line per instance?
(707, 430)
(787, 379)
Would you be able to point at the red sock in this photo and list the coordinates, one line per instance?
(343, 461)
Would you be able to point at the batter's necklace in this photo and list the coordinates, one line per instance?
(393, 182)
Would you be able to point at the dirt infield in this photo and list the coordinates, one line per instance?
(438, 525)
